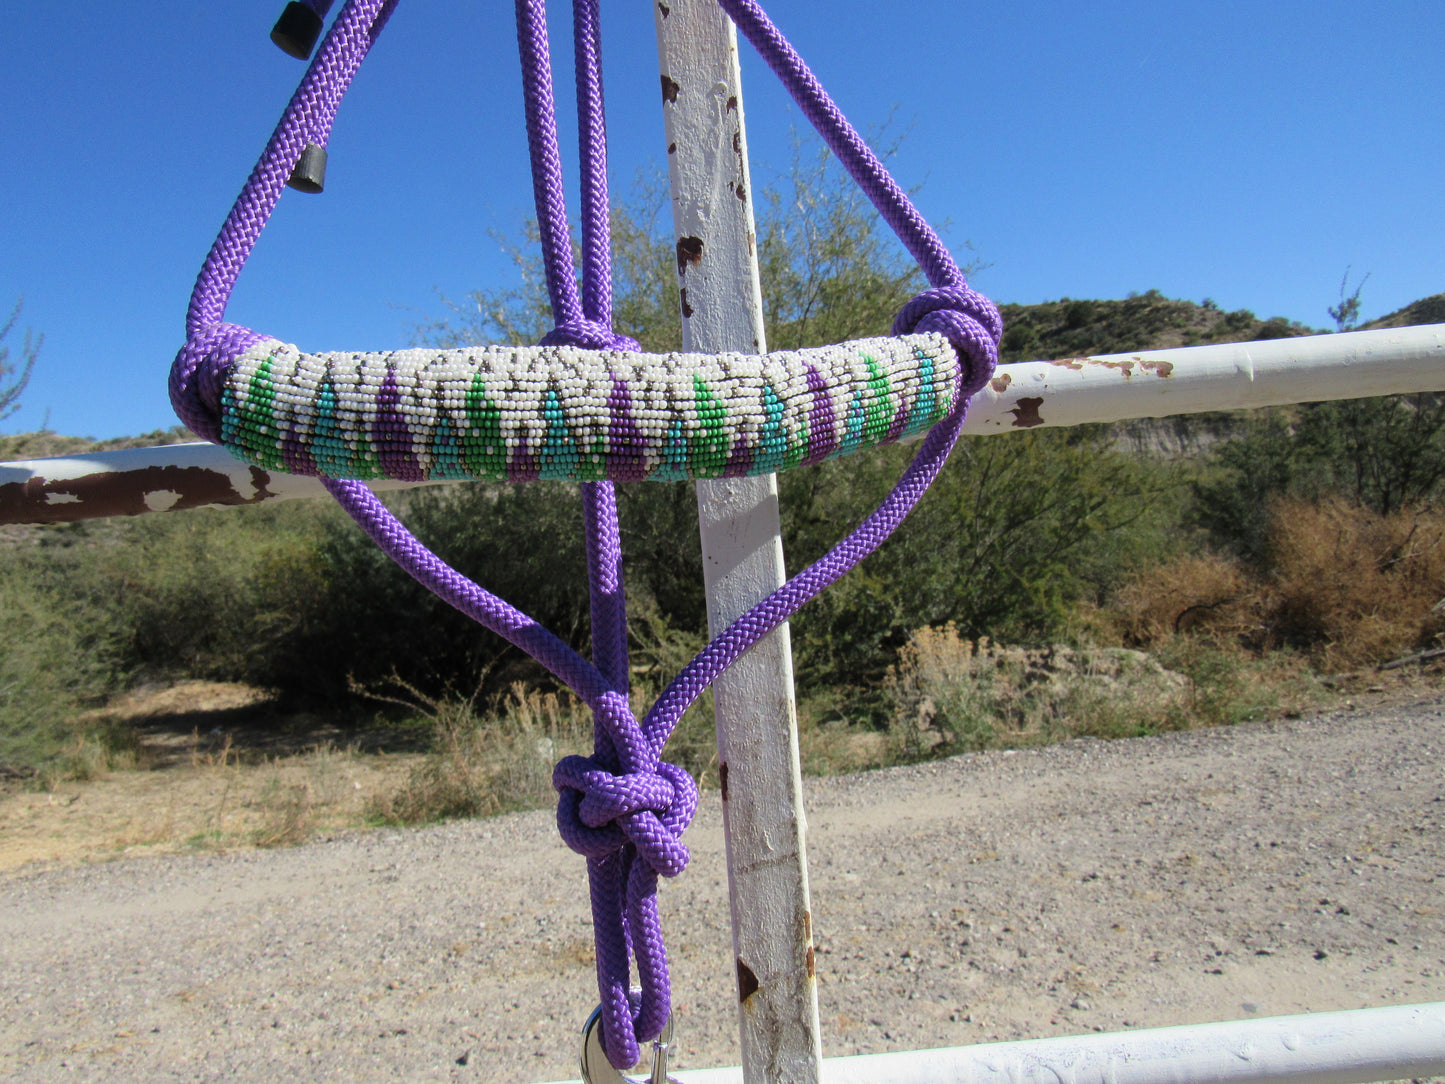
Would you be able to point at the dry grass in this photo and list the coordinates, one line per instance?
(1344, 586)
(481, 766)
(950, 694)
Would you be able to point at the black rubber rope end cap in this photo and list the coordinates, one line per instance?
(297, 30)
(310, 172)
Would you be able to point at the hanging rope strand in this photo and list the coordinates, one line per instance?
(592, 147)
(307, 119)
(852, 150)
(548, 192)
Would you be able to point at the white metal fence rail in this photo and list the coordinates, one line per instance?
(1072, 391)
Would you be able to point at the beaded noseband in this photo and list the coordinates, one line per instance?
(585, 405)
(522, 413)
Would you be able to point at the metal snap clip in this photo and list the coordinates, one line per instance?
(596, 1069)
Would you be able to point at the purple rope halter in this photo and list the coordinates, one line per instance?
(623, 807)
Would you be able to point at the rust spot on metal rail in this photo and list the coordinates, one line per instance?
(1026, 413)
(1001, 382)
(669, 89)
(686, 308)
(733, 104)
(689, 250)
(666, 11)
(747, 981)
(1158, 368)
(123, 493)
(722, 779)
(672, 148)
(811, 964)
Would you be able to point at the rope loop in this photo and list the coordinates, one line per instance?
(970, 321)
(599, 812)
(199, 374)
(589, 335)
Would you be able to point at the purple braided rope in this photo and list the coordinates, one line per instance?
(629, 840)
(622, 807)
(307, 119)
(592, 150)
(852, 150)
(547, 184)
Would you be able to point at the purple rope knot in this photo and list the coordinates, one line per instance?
(589, 335)
(970, 321)
(599, 812)
(199, 371)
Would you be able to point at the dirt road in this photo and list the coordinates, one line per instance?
(1219, 874)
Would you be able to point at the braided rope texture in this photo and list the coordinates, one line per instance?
(561, 412)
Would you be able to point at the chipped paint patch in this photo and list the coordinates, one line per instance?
(1026, 413)
(1162, 369)
(747, 982)
(722, 779)
(670, 89)
(1000, 382)
(689, 251)
(1070, 363)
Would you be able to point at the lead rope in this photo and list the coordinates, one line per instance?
(623, 807)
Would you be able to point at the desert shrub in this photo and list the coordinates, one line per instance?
(1355, 587)
(1205, 595)
(1015, 532)
(54, 663)
(205, 594)
(937, 695)
(1343, 585)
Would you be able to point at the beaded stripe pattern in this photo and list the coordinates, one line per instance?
(523, 413)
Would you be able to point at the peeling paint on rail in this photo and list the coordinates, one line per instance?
(105, 493)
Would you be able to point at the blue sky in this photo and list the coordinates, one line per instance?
(1247, 152)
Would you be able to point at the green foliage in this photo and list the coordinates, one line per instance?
(1385, 454)
(15, 375)
(1347, 313)
(831, 270)
(1011, 536)
(1073, 328)
(51, 664)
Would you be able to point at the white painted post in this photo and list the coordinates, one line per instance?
(721, 304)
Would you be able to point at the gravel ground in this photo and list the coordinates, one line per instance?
(1218, 874)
